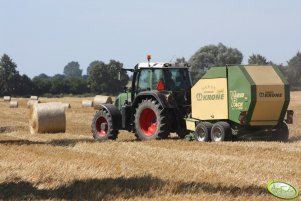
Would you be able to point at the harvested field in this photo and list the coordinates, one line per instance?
(71, 165)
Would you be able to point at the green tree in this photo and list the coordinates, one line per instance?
(2, 81)
(103, 78)
(97, 74)
(42, 84)
(24, 85)
(294, 70)
(77, 85)
(93, 63)
(213, 55)
(180, 60)
(257, 59)
(8, 75)
(72, 69)
(59, 84)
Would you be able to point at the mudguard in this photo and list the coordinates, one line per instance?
(150, 94)
(115, 114)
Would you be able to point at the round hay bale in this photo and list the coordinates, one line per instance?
(98, 100)
(66, 105)
(13, 104)
(30, 103)
(47, 118)
(34, 98)
(87, 103)
(6, 98)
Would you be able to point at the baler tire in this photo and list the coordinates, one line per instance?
(282, 133)
(103, 116)
(204, 127)
(225, 131)
(145, 128)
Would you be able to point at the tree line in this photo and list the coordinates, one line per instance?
(102, 78)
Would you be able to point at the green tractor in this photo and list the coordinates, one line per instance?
(156, 105)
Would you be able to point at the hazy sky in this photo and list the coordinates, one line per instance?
(42, 36)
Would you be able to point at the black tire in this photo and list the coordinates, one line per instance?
(151, 121)
(282, 133)
(221, 131)
(202, 131)
(102, 126)
(181, 130)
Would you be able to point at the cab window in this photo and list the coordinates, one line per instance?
(157, 76)
(144, 80)
(177, 79)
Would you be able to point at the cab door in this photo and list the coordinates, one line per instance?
(144, 80)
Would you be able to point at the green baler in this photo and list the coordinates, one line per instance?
(235, 100)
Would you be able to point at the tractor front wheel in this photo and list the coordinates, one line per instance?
(102, 126)
(150, 121)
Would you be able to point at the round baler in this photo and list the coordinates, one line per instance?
(240, 100)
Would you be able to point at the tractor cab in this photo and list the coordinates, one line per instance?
(170, 79)
(161, 77)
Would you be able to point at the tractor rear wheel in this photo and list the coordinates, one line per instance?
(102, 126)
(221, 131)
(150, 121)
(202, 131)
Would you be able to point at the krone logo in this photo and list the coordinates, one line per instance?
(270, 94)
(205, 97)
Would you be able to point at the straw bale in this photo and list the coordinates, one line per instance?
(47, 118)
(34, 98)
(99, 99)
(87, 103)
(13, 104)
(30, 103)
(6, 98)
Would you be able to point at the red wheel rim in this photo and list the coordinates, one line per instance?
(101, 132)
(148, 122)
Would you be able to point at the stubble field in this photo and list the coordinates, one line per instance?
(72, 166)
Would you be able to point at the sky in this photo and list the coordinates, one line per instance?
(42, 36)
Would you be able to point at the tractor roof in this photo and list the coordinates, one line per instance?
(162, 65)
